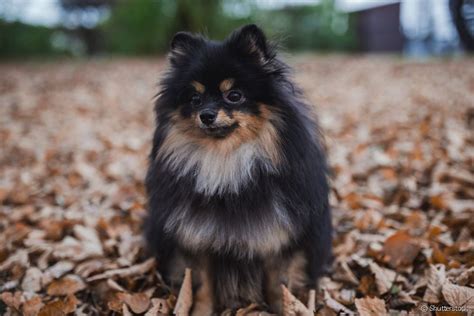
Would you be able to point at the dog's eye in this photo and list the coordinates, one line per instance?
(233, 96)
(196, 99)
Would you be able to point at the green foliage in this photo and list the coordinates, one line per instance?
(146, 26)
(318, 27)
(18, 40)
(139, 27)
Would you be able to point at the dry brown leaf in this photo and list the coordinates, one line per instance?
(368, 285)
(126, 311)
(12, 300)
(86, 268)
(137, 269)
(312, 300)
(138, 302)
(129, 247)
(402, 299)
(159, 306)
(60, 307)
(347, 296)
(19, 258)
(400, 249)
(10, 285)
(335, 305)
(260, 313)
(246, 310)
(115, 286)
(67, 285)
(458, 296)
(54, 308)
(466, 277)
(32, 280)
(368, 306)
(114, 303)
(384, 278)
(32, 306)
(344, 273)
(185, 296)
(292, 306)
(75, 250)
(90, 239)
(56, 271)
(70, 303)
(436, 277)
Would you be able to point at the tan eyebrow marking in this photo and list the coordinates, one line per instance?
(198, 86)
(226, 84)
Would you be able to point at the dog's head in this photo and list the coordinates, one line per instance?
(218, 91)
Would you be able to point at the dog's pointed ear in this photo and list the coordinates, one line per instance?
(250, 40)
(183, 44)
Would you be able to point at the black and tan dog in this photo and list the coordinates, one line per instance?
(237, 179)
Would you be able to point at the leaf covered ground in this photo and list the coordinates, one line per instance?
(74, 143)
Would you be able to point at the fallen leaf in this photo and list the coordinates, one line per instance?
(90, 239)
(347, 296)
(86, 268)
(67, 285)
(312, 301)
(368, 306)
(126, 311)
(400, 249)
(185, 296)
(335, 305)
(115, 286)
(138, 302)
(246, 310)
(70, 304)
(32, 280)
(32, 306)
(56, 271)
(384, 278)
(19, 258)
(292, 306)
(54, 308)
(13, 300)
(159, 306)
(458, 296)
(138, 269)
(436, 277)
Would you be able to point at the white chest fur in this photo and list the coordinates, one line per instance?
(216, 169)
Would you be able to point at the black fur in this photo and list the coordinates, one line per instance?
(300, 182)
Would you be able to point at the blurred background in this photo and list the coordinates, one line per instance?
(33, 28)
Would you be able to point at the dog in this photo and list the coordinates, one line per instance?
(238, 180)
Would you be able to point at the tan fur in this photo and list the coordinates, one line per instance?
(226, 85)
(223, 119)
(227, 162)
(198, 86)
(289, 271)
(297, 273)
(176, 267)
(273, 279)
(203, 304)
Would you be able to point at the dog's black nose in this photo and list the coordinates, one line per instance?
(208, 116)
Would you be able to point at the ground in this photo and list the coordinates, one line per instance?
(74, 142)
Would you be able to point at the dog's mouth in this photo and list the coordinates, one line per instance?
(219, 131)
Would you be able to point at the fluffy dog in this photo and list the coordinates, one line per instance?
(237, 182)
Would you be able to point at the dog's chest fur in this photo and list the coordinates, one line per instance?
(216, 169)
(223, 214)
